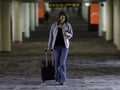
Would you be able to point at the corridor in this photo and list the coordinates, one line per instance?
(93, 63)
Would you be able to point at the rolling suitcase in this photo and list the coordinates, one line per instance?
(47, 68)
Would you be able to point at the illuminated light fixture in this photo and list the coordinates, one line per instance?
(64, 4)
(87, 4)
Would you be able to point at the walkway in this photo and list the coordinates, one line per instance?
(85, 83)
(93, 63)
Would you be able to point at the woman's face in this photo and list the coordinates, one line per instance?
(62, 19)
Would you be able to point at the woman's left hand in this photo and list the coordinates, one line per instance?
(66, 33)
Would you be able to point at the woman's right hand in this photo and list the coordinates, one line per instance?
(49, 49)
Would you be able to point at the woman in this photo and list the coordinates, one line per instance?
(60, 33)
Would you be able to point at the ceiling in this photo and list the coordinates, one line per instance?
(62, 0)
(74, 0)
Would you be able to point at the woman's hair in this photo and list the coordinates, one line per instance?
(60, 14)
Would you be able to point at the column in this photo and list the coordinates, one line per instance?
(118, 25)
(32, 16)
(16, 21)
(27, 20)
(5, 42)
(0, 28)
(116, 39)
(115, 23)
(47, 8)
(37, 19)
(102, 19)
(85, 12)
(22, 17)
(109, 27)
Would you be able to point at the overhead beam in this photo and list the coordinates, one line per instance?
(29, 0)
(74, 0)
(61, 0)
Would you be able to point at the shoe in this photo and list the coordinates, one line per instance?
(56, 80)
(61, 83)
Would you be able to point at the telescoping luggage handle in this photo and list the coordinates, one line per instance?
(46, 56)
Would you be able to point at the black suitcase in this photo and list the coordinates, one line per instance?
(47, 68)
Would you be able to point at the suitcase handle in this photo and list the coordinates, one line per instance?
(46, 56)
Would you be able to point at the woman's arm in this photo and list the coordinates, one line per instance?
(69, 32)
(50, 37)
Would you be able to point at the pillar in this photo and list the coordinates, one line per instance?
(32, 16)
(0, 28)
(22, 17)
(37, 19)
(27, 20)
(5, 42)
(118, 24)
(16, 21)
(109, 26)
(102, 19)
(85, 12)
(116, 39)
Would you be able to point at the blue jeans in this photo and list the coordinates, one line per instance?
(60, 56)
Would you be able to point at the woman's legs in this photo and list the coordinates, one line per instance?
(60, 56)
(62, 66)
(56, 62)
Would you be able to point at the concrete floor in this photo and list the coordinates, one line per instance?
(105, 82)
(92, 64)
